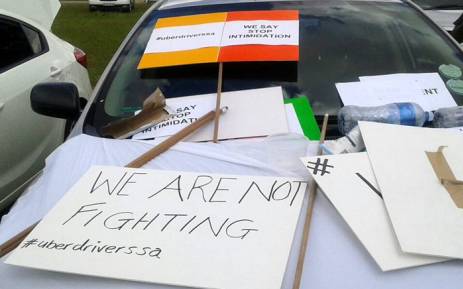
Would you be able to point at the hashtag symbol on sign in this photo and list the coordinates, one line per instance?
(29, 242)
(318, 166)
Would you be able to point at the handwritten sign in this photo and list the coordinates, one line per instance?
(251, 113)
(176, 228)
(185, 112)
(223, 37)
(349, 183)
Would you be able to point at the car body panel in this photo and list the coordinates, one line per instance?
(27, 137)
(42, 12)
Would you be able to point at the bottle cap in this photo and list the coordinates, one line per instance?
(455, 86)
(450, 71)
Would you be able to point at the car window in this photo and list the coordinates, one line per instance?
(18, 43)
(339, 41)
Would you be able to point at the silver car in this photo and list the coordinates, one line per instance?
(339, 41)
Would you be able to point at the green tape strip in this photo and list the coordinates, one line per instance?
(305, 116)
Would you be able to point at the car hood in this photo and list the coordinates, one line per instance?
(42, 12)
(444, 18)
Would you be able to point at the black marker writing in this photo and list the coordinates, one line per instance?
(90, 247)
(375, 190)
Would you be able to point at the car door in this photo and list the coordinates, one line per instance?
(26, 137)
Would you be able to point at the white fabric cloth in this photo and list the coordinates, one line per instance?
(334, 258)
(277, 155)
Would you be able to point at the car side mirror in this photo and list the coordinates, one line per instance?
(56, 99)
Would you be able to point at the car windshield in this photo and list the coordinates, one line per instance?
(339, 42)
(440, 4)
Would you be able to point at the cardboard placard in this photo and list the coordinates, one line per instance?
(251, 113)
(425, 217)
(223, 37)
(177, 228)
(349, 183)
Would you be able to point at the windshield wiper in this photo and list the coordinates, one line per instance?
(445, 7)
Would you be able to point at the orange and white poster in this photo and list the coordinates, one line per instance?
(223, 37)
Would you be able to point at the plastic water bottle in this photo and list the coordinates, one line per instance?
(448, 117)
(405, 113)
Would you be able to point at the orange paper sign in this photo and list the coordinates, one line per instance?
(223, 37)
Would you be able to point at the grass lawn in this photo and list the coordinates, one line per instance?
(99, 33)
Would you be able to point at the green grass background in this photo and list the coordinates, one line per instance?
(98, 33)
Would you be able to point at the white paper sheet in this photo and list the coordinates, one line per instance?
(264, 32)
(424, 216)
(294, 125)
(349, 183)
(355, 93)
(429, 89)
(185, 37)
(426, 89)
(251, 113)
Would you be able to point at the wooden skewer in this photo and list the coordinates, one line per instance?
(308, 217)
(12, 243)
(217, 103)
(165, 145)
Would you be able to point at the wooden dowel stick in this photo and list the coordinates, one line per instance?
(217, 103)
(168, 143)
(12, 243)
(308, 217)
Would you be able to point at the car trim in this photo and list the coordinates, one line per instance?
(43, 41)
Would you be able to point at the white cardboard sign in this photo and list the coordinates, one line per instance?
(425, 218)
(176, 228)
(426, 89)
(349, 183)
(251, 113)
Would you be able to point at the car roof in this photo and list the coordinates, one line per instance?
(168, 4)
